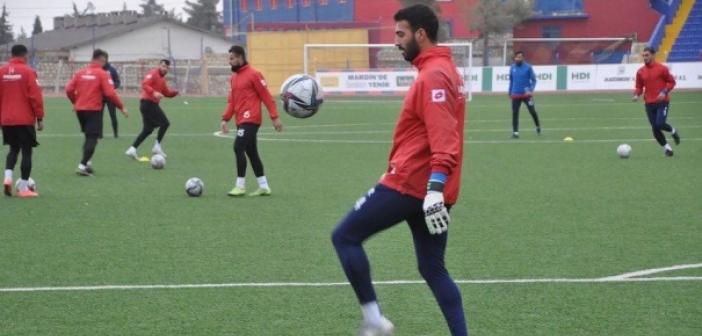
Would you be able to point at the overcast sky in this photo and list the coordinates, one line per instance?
(22, 12)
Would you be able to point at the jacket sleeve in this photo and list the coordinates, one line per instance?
(147, 84)
(532, 79)
(669, 80)
(36, 100)
(259, 84)
(71, 89)
(638, 89)
(109, 92)
(115, 77)
(511, 82)
(436, 107)
(169, 93)
(229, 111)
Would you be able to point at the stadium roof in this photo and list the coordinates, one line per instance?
(63, 39)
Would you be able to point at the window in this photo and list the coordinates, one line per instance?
(244, 5)
(558, 7)
(274, 4)
(259, 5)
(551, 31)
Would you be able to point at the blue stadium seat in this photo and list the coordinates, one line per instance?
(688, 46)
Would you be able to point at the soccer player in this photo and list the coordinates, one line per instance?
(86, 91)
(21, 107)
(655, 82)
(111, 107)
(153, 88)
(522, 82)
(248, 90)
(422, 179)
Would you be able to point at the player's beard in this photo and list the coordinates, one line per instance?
(411, 51)
(236, 68)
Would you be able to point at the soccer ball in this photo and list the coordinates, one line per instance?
(158, 161)
(194, 187)
(624, 151)
(301, 96)
(30, 184)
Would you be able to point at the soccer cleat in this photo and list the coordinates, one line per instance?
(158, 151)
(676, 137)
(515, 135)
(27, 194)
(7, 186)
(261, 192)
(384, 328)
(83, 172)
(132, 153)
(237, 192)
(538, 131)
(668, 153)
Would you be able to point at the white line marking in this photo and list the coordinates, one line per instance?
(337, 284)
(626, 277)
(652, 271)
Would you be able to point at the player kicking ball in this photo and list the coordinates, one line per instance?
(21, 107)
(422, 179)
(248, 90)
(153, 89)
(87, 90)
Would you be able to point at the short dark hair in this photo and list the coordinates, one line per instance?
(518, 52)
(97, 53)
(420, 16)
(19, 50)
(652, 50)
(165, 61)
(238, 50)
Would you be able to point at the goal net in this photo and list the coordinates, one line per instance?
(373, 69)
(541, 51)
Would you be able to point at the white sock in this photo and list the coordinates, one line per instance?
(131, 149)
(8, 174)
(22, 185)
(90, 164)
(157, 145)
(81, 166)
(371, 312)
(241, 182)
(262, 182)
(674, 131)
(668, 147)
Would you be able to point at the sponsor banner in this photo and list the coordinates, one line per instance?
(500, 79)
(615, 76)
(581, 77)
(382, 80)
(546, 78)
(687, 75)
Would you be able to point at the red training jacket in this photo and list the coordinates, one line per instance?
(654, 77)
(154, 81)
(89, 87)
(429, 132)
(21, 102)
(248, 90)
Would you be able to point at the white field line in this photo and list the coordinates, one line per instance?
(652, 271)
(614, 279)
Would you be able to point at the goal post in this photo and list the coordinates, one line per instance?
(374, 69)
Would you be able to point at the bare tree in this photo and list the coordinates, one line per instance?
(496, 17)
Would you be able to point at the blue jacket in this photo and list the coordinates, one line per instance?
(114, 74)
(521, 77)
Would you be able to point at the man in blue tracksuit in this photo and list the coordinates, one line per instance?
(522, 82)
(114, 75)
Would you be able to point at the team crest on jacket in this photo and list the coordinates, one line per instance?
(438, 95)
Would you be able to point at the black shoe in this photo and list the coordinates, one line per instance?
(90, 170)
(676, 138)
(668, 153)
(538, 131)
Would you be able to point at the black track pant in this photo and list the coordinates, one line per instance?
(516, 104)
(153, 117)
(246, 145)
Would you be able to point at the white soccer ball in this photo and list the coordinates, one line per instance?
(624, 151)
(30, 184)
(158, 161)
(302, 96)
(194, 187)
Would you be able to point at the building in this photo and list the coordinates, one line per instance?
(126, 36)
(241, 16)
